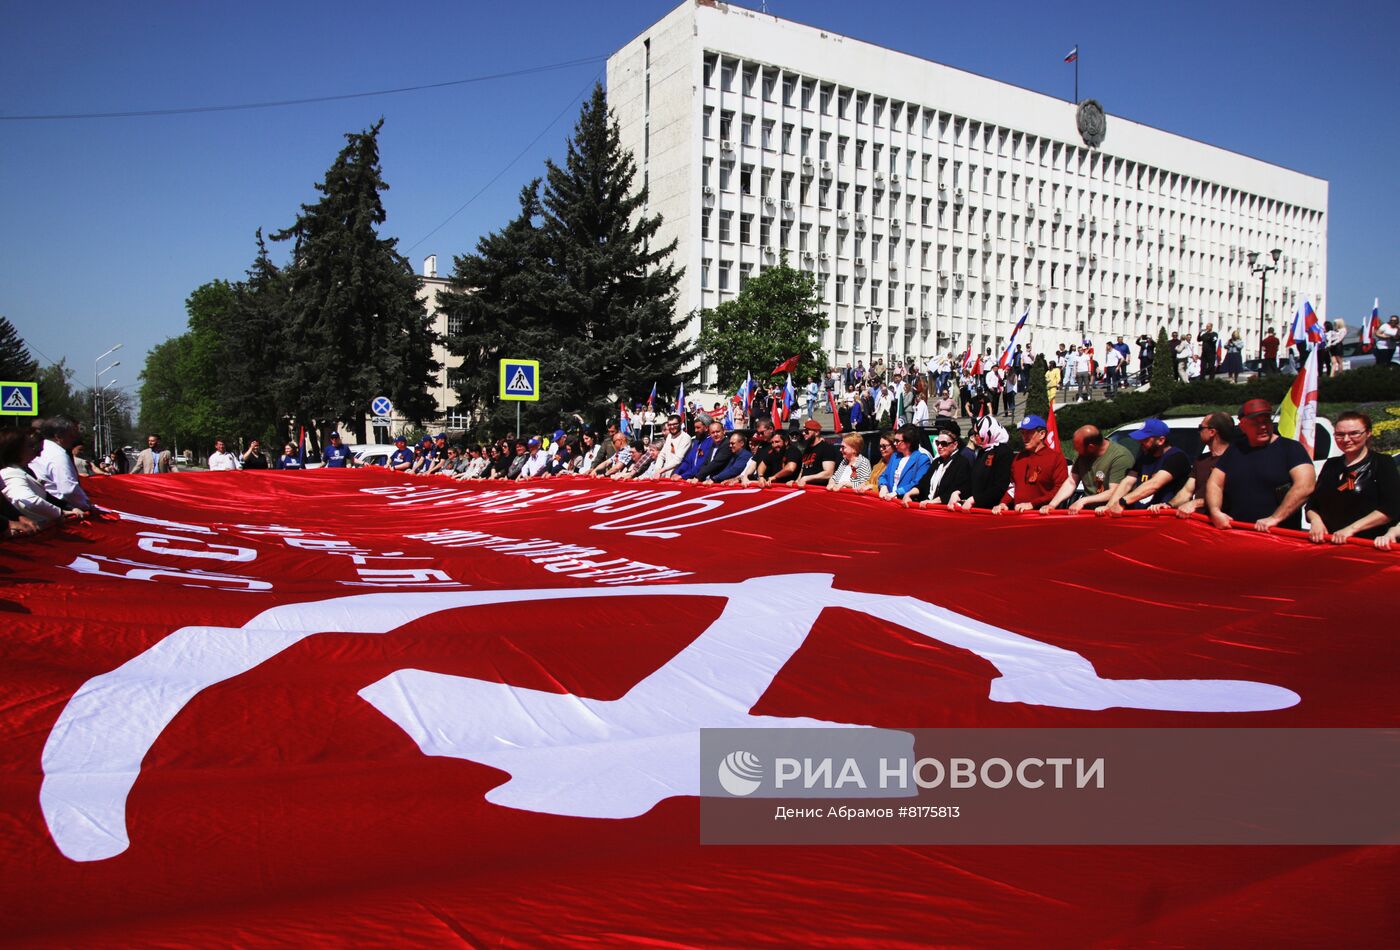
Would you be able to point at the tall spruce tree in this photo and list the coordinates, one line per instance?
(613, 293)
(253, 350)
(1164, 378)
(496, 306)
(355, 325)
(1037, 393)
(16, 365)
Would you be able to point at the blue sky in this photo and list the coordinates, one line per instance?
(106, 225)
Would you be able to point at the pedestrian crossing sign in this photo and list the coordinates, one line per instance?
(520, 380)
(19, 399)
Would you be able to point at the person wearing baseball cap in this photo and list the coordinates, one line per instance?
(1160, 471)
(337, 455)
(401, 459)
(1037, 471)
(1263, 479)
(819, 457)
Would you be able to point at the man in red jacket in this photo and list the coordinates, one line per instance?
(1037, 471)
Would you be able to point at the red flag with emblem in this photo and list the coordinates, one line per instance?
(357, 707)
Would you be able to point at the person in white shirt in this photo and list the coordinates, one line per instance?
(1387, 335)
(921, 412)
(536, 461)
(18, 447)
(1112, 359)
(222, 460)
(53, 466)
(673, 448)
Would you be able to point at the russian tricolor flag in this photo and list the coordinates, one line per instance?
(1072, 55)
(1005, 360)
(1369, 327)
(652, 398)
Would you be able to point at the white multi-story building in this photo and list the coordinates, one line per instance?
(934, 205)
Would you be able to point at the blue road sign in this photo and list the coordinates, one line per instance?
(382, 407)
(19, 399)
(520, 380)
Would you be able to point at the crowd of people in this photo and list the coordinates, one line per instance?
(892, 445)
(1244, 473)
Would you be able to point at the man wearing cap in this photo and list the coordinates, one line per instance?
(1218, 433)
(1263, 478)
(337, 455)
(1158, 474)
(1037, 471)
(535, 461)
(423, 455)
(401, 459)
(1102, 464)
(819, 457)
(439, 454)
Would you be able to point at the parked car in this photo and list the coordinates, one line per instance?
(1186, 437)
(373, 453)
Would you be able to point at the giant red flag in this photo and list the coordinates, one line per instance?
(360, 708)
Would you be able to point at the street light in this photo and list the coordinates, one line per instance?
(96, 399)
(1262, 269)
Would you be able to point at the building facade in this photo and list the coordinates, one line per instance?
(448, 418)
(934, 206)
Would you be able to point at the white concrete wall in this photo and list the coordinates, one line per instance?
(1167, 220)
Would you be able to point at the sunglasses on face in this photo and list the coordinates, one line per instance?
(942, 441)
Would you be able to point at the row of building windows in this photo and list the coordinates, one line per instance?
(966, 134)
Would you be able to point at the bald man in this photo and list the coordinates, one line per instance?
(1101, 465)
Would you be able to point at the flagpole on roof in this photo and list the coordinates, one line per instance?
(1076, 74)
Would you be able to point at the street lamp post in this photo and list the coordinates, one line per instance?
(1263, 269)
(96, 399)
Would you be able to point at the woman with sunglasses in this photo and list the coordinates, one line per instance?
(1357, 492)
(951, 473)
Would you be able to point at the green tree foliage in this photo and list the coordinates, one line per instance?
(497, 306)
(166, 391)
(181, 383)
(575, 282)
(57, 395)
(355, 326)
(252, 351)
(16, 364)
(1038, 395)
(1163, 379)
(777, 315)
(613, 293)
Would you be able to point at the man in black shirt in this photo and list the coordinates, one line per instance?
(819, 457)
(1209, 340)
(1158, 474)
(1263, 478)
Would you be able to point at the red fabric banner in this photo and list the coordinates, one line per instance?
(358, 707)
